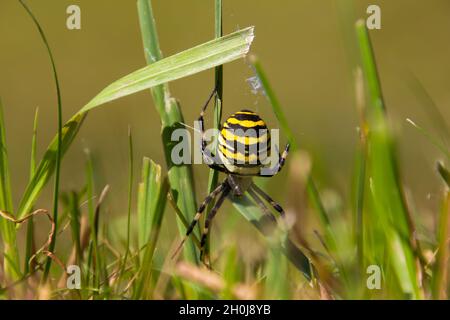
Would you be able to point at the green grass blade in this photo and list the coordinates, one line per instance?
(130, 199)
(94, 251)
(439, 282)
(386, 192)
(47, 166)
(148, 194)
(152, 201)
(8, 231)
(218, 85)
(29, 250)
(75, 218)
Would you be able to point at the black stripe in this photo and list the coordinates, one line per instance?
(251, 117)
(245, 165)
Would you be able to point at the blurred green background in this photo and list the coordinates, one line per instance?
(305, 47)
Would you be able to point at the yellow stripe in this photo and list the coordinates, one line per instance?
(245, 112)
(244, 140)
(246, 123)
(238, 156)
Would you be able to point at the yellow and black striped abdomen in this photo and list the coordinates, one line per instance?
(244, 143)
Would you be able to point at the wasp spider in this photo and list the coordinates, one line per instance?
(244, 151)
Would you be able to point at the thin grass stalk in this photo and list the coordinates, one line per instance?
(130, 197)
(29, 243)
(152, 201)
(360, 188)
(11, 262)
(218, 85)
(93, 258)
(439, 283)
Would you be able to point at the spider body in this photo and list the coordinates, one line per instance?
(244, 151)
(244, 143)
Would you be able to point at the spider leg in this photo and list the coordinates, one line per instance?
(279, 165)
(261, 205)
(266, 197)
(210, 217)
(208, 157)
(200, 210)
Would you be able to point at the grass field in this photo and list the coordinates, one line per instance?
(369, 245)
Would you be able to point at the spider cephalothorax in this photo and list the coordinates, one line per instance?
(244, 151)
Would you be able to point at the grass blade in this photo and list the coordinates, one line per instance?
(440, 271)
(386, 192)
(218, 85)
(152, 201)
(30, 245)
(148, 195)
(47, 166)
(130, 197)
(8, 231)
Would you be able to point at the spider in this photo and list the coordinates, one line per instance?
(244, 150)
